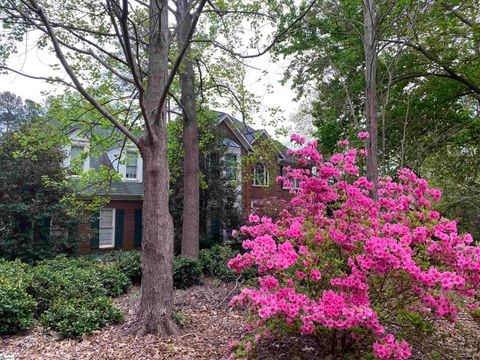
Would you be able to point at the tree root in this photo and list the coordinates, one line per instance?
(143, 325)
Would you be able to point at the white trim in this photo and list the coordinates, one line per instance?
(266, 175)
(269, 138)
(128, 151)
(85, 149)
(107, 246)
(295, 182)
(237, 132)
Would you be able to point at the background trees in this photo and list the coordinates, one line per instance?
(35, 222)
(427, 78)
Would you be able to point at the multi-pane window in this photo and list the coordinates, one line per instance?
(131, 165)
(75, 154)
(231, 166)
(106, 233)
(260, 175)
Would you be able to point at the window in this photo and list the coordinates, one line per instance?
(75, 156)
(260, 175)
(131, 165)
(293, 183)
(106, 233)
(231, 166)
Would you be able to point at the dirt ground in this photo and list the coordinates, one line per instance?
(209, 324)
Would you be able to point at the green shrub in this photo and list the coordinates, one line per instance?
(113, 280)
(73, 317)
(130, 264)
(214, 262)
(67, 279)
(17, 307)
(186, 272)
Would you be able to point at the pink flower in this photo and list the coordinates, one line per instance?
(253, 218)
(321, 260)
(363, 135)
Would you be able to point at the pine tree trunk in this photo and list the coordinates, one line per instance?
(191, 184)
(370, 46)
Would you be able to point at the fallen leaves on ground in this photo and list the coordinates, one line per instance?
(209, 324)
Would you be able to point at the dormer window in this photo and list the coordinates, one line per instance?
(74, 159)
(131, 165)
(260, 175)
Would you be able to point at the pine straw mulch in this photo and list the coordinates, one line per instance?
(209, 325)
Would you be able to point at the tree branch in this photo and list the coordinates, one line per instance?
(58, 51)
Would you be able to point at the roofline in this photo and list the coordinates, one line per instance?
(246, 144)
(270, 139)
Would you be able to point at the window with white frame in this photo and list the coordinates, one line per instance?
(106, 232)
(231, 166)
(260, 175)
(131, 165)
(75, 155)
(289, 182)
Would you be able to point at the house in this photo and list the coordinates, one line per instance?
(252, 161)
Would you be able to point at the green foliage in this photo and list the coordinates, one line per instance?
(214, 262)
(113, 280)
(35, 222)
(66, 279)
(74, 317)
(17, 307)
(130, 264)
(187, 272)
(428, 92)
(218, 195)
(180, 318)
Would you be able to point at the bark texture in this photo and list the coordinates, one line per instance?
(156, 304)
(370, 46)
(191, 184)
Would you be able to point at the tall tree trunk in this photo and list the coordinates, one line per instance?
(370, 46)
(156, 306)
(191, 184)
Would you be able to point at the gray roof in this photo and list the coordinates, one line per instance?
(133, 190)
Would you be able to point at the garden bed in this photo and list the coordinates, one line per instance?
(209, 325)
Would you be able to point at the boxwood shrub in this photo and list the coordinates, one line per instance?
(113, 280)
(17, 307)
(73, 317)
(130, 264)
(50, 283)
(214, 262)
(186, 272)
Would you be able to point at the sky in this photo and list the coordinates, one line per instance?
(36, 62)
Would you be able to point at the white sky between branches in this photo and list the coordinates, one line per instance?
(34, 61)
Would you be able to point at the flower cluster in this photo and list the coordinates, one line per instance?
(338, 260)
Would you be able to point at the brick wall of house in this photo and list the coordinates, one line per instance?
(128, 229)
(258, 194)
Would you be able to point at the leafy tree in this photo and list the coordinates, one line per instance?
(426, 90)
(14, 111)
(218, 195)
(35, 222)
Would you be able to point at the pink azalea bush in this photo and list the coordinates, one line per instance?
(338, 262)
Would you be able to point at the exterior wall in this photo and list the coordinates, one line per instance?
(257, 196)
(128, 229)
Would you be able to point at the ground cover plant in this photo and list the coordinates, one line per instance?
(72, 296)
(339, 265)
(17, 306)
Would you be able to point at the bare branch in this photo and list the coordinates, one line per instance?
(269, 47)
(58, 51)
